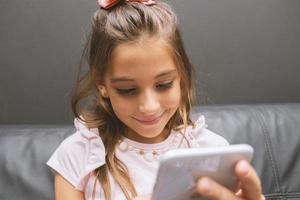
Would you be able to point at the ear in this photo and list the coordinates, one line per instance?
(103, 91)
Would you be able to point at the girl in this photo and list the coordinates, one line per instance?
(131, 107)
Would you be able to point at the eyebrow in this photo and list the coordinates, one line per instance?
(129, 79)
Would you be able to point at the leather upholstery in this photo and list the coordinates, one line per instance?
(272, 129)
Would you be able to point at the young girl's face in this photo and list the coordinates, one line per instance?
(143, 86)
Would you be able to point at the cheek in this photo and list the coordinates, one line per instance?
(173, 97)
(122, 107)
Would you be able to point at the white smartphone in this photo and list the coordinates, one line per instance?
(180, 168)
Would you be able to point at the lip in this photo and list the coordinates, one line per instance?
(149, 120)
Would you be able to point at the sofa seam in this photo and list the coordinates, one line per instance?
(284, 195)
(269, 149)
(274, 157)
(288, 194)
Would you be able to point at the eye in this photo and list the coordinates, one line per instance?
(127, 92)
(164, 86)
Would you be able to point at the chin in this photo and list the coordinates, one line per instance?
(150, 133)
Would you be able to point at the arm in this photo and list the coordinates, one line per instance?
(64, 190)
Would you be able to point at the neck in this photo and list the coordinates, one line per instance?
(138, 138)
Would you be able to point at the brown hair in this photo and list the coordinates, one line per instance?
(126, 22)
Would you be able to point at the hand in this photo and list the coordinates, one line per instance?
(250, 186)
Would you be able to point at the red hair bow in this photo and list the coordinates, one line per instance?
(106, 4)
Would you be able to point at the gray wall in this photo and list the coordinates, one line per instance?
(244, 52)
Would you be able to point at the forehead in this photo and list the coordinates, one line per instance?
(141, 60)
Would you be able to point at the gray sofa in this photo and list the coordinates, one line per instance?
(272, 129)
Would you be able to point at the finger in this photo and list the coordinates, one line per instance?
(238, 186)
(250, 182)
(210, 189)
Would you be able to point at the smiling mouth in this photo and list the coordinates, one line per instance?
(150, 121)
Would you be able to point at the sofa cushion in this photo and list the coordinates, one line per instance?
(273, 131)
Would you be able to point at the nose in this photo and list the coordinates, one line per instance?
(149, 103)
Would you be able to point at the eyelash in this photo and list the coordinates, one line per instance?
(132, 91)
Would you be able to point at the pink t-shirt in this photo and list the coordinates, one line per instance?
(82, 152)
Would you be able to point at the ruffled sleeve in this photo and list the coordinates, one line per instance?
(205, 137)
(78, 155)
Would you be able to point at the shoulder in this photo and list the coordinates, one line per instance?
(78, 155)
(204, 136)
